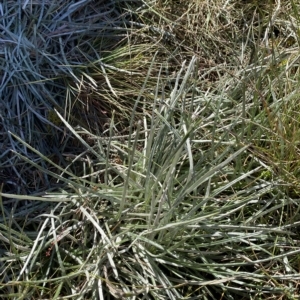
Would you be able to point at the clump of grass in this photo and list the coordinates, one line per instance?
(176, 175)
(46, 50)
(157, 216)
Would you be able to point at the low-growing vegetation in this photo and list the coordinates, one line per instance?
(150, 149)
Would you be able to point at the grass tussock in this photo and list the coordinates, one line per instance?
(150, 150)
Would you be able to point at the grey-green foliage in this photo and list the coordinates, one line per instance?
(174, 220)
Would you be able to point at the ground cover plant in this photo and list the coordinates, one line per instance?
(149, 149)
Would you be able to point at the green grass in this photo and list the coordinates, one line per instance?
(150, 150)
